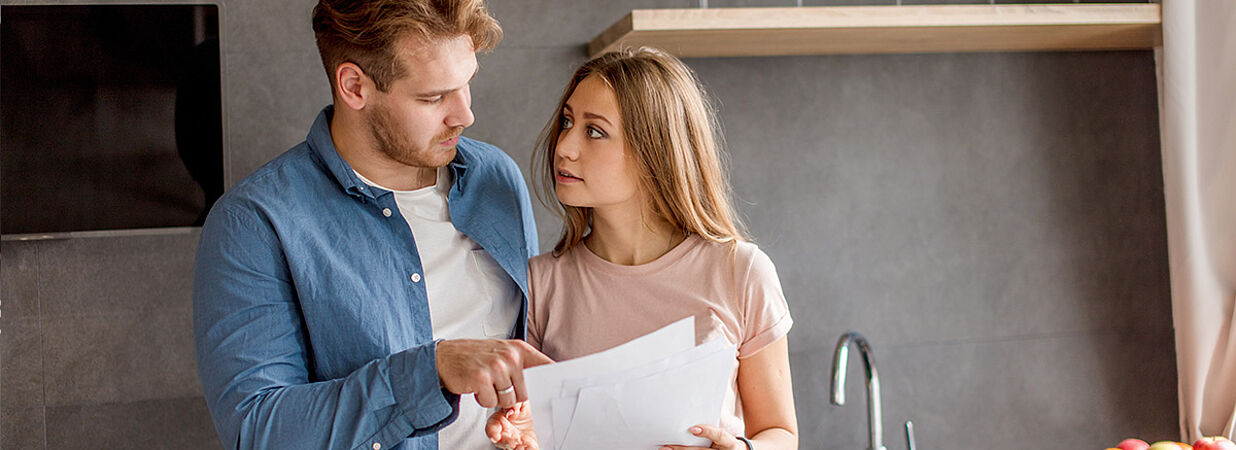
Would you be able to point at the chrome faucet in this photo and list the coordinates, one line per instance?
(840, 356)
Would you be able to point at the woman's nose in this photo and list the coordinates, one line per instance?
(566, 147)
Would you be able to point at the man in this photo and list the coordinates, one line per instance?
(327, 280)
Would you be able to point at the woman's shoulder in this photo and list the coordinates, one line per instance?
(541, 262)
(743, 253)
(546, 263)
(742, 260)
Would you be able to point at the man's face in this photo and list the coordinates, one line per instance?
(418, 120)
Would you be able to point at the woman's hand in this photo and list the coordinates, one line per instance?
(720, 438)
(511, 428)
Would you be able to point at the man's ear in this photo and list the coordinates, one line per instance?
(352, 85)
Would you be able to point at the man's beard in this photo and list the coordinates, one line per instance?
(393, 143)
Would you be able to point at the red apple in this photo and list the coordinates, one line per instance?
(1170, 445)
(1214, 443)
(1133, 444)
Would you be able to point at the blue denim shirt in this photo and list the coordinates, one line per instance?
(310, 330)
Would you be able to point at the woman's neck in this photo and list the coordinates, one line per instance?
(626, 238)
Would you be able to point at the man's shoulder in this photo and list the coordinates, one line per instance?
(486, 157)
(272, 183)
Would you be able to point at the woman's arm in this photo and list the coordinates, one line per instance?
(768, 397)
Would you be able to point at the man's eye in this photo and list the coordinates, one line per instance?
(595, 133)
(433, 100)
(567, 123)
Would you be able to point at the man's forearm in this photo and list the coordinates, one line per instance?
(383, 402)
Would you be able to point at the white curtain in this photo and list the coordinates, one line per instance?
(1197, 113)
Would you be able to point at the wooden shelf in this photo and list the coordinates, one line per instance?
(886, 29)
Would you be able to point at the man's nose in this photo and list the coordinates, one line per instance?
(461, 110)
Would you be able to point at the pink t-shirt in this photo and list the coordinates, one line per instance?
(582, 304)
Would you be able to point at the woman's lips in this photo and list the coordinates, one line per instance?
(566, 177)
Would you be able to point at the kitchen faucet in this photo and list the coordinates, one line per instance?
(840, 357)
(874, 418)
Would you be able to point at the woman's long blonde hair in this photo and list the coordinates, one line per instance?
(671, 132)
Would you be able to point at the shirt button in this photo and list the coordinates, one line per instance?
(416, 278)
(377, 446)
(386, 212)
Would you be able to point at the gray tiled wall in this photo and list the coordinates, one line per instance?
(97, 345)
(992, 222)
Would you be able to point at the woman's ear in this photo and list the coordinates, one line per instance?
(352, 85)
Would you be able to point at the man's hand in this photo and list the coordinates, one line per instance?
(490, 368)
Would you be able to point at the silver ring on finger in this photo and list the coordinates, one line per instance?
(509, 390)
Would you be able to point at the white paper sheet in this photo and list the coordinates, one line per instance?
(639, 395)
(564, 405)
(544, 383)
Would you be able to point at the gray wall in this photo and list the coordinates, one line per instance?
(992, 222)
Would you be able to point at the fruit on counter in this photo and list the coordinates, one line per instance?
(1133, 444)
(1214, 443)
(1169, 445)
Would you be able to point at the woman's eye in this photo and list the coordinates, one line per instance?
(567, 123)
(595, 133)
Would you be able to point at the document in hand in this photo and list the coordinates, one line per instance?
(638, 395)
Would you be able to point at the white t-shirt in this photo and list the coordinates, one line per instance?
(470, 296)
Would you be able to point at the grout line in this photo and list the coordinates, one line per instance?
(38, 295)
(978, 340)
(1000, 339)
(2, 408)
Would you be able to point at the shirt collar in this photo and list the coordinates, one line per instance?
(323, 146)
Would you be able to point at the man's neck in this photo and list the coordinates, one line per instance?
(348, 133)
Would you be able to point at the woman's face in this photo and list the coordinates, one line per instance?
(594, 168)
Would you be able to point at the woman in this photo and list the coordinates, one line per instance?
(650, 237)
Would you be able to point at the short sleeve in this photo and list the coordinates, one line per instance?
(535, 330)
(766, 315)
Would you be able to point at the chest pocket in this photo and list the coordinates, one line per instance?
(502, 297)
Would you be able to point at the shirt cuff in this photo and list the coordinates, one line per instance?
(418, 392)
(766, 337)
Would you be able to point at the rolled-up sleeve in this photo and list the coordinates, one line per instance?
(253, 356)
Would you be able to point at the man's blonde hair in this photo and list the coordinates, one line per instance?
(671, 132)
(365, 32)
